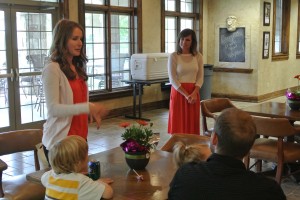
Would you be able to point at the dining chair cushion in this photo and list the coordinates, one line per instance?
(266, 149)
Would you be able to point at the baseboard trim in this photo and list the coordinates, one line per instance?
(248, 98)
(232, 70)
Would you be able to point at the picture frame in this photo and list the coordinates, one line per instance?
(266, 44)
(267, 13)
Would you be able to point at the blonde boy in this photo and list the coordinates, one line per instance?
(69, 161)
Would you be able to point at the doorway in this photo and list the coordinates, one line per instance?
(25, 38)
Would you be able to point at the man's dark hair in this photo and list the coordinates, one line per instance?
(235, 131)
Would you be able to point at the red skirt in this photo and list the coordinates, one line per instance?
(183, 116)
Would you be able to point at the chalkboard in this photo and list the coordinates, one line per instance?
(232, 45)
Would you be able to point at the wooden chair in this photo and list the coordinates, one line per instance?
(187, 139)
(211, 106)
(271, 146)
(17, 187)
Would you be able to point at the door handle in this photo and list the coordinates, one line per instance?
(9, 75)
(17, 74)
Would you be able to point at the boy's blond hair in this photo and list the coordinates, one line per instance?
(66, 155)
(192, 153)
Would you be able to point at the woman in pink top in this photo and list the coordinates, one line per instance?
(185, 69)
(66, 92)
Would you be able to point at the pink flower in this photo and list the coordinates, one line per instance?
(131, 145)
(125, 124)
(142, 122)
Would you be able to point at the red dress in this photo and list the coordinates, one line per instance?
(79, 125)
(183, 116)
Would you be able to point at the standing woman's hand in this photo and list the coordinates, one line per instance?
(97, 112)
(193, 98)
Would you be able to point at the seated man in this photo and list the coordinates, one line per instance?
(224, 175)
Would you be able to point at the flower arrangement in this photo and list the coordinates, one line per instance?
(294, 95)
(137, 136)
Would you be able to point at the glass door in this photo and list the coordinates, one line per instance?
(25, 38)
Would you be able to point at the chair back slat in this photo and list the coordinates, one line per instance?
(19, 140)
(217, 104)
(211, 106)
(276, 127)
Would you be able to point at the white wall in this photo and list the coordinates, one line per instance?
(268, 76)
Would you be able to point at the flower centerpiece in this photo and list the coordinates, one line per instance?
(138, 143)
(293, 96)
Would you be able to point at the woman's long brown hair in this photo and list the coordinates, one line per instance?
(62, 32)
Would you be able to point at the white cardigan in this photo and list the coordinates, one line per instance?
(185, 68)
(59, 102)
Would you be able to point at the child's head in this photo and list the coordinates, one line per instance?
(195, 152)
(69, 155)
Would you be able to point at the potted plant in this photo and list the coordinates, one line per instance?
(138, 143)
(293, 96)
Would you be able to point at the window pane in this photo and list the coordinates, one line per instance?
(120, 36)
(170, 34)
(186, 23)
(186, 6)
(4, 109)
(34, 38)
(95, 71)
(88, 19)
(99, 2)
(170, 5)
(120, 48)
(278, 30)
(124, 3)
(95, 50)
(2, 36)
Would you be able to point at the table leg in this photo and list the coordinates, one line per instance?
(134, 104)
(140, 88)
(140, 103)
(140, 100)
(134, 100)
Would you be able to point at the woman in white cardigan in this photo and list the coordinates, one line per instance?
(185, 69)
(66, 92)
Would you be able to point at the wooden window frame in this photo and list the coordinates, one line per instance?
(197, 15)
(97, 95)
(298, 33)
(286, 9)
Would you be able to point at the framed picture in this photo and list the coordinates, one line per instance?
(267, 13)
(266, 44)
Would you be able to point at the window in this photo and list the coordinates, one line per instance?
(178, 15)
(298, 32)
(111, 38)
(281, 25)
